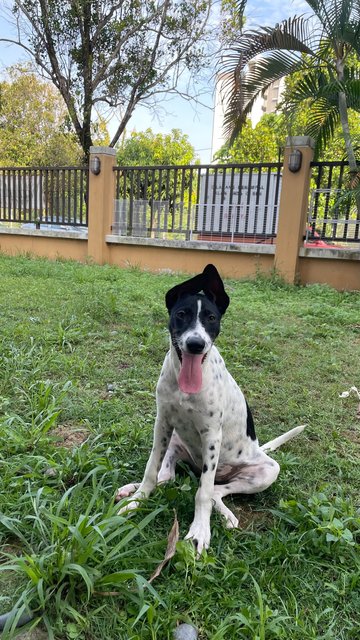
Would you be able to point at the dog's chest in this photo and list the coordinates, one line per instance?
(218, 411)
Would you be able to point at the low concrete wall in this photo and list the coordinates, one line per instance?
(339, 268)
(233, 260)
(46, 244)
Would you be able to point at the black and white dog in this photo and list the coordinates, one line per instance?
(202, 415)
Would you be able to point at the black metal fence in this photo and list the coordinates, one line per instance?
(44, 195)
(228, 203)
(333, 214)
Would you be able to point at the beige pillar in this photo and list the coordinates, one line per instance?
(101, 202)
(293, 208)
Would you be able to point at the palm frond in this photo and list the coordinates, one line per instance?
(235, 119)
(340, 20)
(351, 89)
(262, 56)
(291, 35)
(322, 123)
(240, 6)
(314, 86)
(243, 82)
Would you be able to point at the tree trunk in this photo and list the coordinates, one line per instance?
(353, 167)
(344, 120)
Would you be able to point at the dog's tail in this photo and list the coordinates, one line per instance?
(277, 442)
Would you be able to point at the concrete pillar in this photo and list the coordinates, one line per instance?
(101, 202)
(293, 208)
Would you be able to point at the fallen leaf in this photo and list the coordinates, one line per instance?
(173, 537)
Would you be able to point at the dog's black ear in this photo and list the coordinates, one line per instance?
(194, 285)
(208, 281)
(213, 288)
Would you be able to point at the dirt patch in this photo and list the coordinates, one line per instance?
(35, 634)
(353, 435)
(12, 549)
(249, 519)
(69, 435)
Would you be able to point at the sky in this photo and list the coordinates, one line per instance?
(194, 119)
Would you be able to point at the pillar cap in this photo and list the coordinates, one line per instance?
(105, 151)
(300, 141)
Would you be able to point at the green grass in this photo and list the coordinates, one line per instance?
(81, 349)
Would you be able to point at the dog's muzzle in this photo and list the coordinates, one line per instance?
(195, 345)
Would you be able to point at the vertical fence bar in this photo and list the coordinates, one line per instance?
(248, 200)
(41, 195)
(190, 222)
(182, 198)
(257, 199)
(266, 201)
(174, 197)
(222, 202)
(13, 193)
(78, 197)
(239, 198)
(68, 210)
(276, 199)
(51, 195)
(2, 196)
(213, 200)
(232, 214)
(19, 198)
(34, 215)
(152, 213)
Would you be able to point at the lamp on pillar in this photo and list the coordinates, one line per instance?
(295, 160)
(95, 165)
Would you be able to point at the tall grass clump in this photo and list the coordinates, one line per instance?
(72, 550)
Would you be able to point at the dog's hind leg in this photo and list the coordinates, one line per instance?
(231, 520)
(248, 478)
(176, 451)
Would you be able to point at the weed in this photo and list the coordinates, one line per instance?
(327, 520)
(69, 555)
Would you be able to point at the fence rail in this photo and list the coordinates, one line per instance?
(44, 195)
(233, 203)
(333, 214)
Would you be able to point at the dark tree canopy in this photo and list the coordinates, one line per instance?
(112, 53)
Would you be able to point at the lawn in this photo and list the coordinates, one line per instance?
(81, 350)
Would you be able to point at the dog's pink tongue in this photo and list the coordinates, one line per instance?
(190, 378)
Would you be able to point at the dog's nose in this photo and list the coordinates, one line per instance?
(195, 345)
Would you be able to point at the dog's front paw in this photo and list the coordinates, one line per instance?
(126, 491)
(200, 534)
(130, 506)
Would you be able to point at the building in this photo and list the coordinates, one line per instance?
(266, 103)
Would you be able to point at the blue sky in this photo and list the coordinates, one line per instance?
(193, 119)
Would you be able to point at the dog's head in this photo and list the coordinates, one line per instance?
(195, 323)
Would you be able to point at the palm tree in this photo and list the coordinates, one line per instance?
(323, 47)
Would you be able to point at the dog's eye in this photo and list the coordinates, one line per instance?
(211, 317)
(180, 315)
